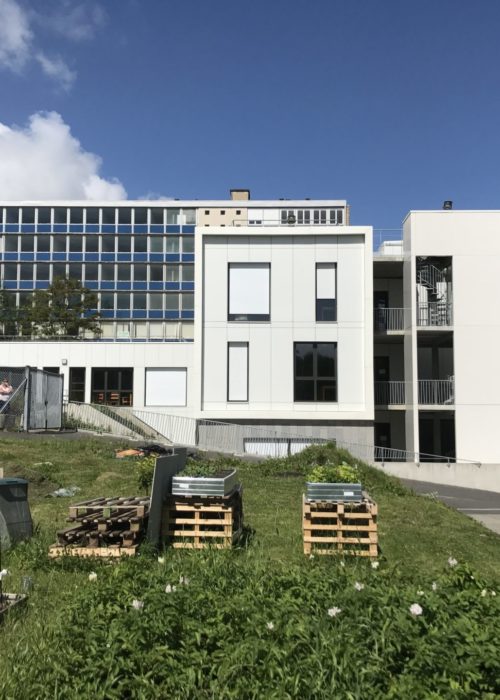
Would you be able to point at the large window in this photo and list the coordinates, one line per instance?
(112, 386)
(315, 372)
(237, 371)
(249, 292)
(77, 384)
(326, 292)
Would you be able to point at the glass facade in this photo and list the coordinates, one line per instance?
(139, 261)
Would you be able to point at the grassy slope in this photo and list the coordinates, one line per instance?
(416, 532)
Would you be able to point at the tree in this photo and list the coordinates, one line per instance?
(8, 313)
(65, 308)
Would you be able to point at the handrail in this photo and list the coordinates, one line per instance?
(389, 393)
(435, 313)
(231, 437)
(389, 319)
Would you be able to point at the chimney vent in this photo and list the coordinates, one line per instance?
(447, 204)
(240, 194)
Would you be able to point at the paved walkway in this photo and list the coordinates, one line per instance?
(480, 505)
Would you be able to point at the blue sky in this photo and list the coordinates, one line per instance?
(390, 104)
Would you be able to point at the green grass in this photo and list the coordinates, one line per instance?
(417, 535)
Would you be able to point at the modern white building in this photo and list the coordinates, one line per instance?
(274, 313)
(258, 312)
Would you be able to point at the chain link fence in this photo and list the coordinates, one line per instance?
(31, 399)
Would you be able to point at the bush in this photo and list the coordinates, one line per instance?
(218, 625)
(334, 474)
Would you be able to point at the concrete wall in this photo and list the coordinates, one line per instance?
(485, 477)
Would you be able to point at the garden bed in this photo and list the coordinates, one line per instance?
(221, 483)
(342, 528)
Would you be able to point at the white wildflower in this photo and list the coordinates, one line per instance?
(270, 625)
(311, 556)
(434, 586)
(342, 563)
(170, 589)
(137, 604)
(161, 560)
(452, 561)
(359, 586)
(493, 593)
(92, 576)
(420, 593)
(183, 580)
(333, 612)
(416, 610)
(3, 573)
(484, 593)
(375, 564)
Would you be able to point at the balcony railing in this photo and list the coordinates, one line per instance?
(434, 313)
(385, 320)
(436, 391)
(389, 393)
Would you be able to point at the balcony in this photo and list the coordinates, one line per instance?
(431, 392)
(436, 392)
(389, 393)
(388, 320)
(433, 314)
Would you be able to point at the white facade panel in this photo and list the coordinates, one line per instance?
(166, 386)
(237, 358)
(249, 288)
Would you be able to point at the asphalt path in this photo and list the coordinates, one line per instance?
(483, 506)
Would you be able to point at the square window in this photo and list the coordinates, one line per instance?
(92, 215)
(124, 215)
(140, 216)
(44, 215)
(60, 215)
(76, 215)
(59, 244)
(157, 217)
(315, 372)
(108, 272)
(140, 244)
(166, 386)
(108, 216)
(124, 273)
(140, 273)
(107, 301)
(43, 243)
(156, 244)
(249, 292)
(92, 244)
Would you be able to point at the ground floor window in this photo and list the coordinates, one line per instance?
(315, 372)
(77, 384)
(112, 386)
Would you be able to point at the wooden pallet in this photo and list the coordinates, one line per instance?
(198, 522)
(105, 527)
(342, 528)
(56, 551)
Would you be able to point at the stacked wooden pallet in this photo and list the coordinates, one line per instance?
(104, 527)
(340, 527)
(197, 522)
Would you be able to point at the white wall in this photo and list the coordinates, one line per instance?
(293, 259)
(102, 354)
(473, 241)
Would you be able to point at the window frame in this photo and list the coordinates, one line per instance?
(247, 318)
(315, 377)
(317, 299)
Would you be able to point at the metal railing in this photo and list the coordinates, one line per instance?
(388, 319)
(234, 438)
(437, 392)
(430, 276)
(434, 313)
(387, 393)
(386, 235)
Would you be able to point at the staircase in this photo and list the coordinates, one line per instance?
(435, 309)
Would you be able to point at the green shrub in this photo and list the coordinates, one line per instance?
(202, 469)
(216, 625)
(144, 469)
(334, 474)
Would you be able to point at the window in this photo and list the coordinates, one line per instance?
(172, 302)
(315, 372)
(91, 270)
(107, 301)
(237, 372)
(139, 301)
(108, 216)
(92, 215)
(44, 215)
(172, 273)
(77, 384)
(59, 244)
(249, 292)
(140, 244)
(43, 243)
(173, 244)
(76, 215)
(58, 270)
(124, 244)
(43, 271)
(188, 273)
(12, 215)
(108, 272)
(28, 214)
(11, 244)
(108, 244)
(27, 244)
(166, 386)
(112, 386)
(173, 216)
(60, 215)
(187, 301)
(157, 217)
(140, 216)
(140, 273)
(92, 244)
(75, 244)
(156, 273)
(326, 292)
(188, 244)
(223, 212)
(124, 215)
(156, 244)
(123, 273)
(156, 302)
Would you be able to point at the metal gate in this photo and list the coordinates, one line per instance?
(44, 400)
(35, 401)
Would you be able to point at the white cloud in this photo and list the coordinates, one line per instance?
(45, 161)
(57, 69)
(76, 21)
(20, 45)
(15, 36)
